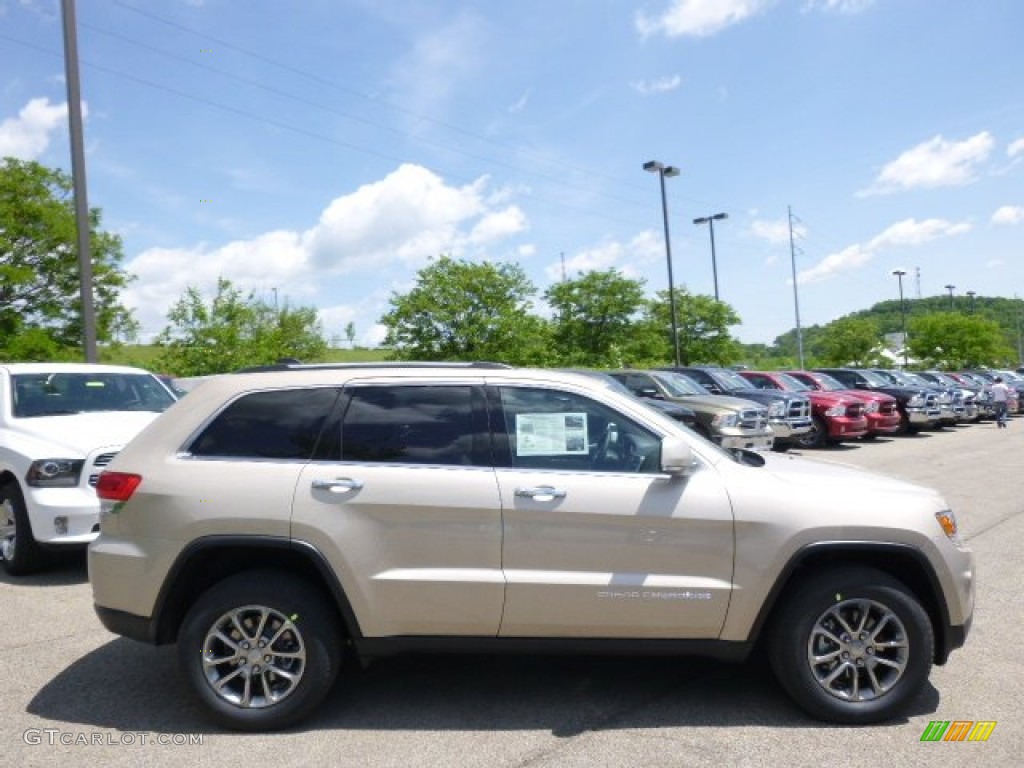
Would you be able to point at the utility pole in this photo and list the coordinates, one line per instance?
(917, 277)
(562, 254)
(78, 179)
(796, 297)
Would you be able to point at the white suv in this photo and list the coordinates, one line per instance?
(60, 425)
(270, 521)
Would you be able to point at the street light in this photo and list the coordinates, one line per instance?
(972, 294)
(710, 221)
(667, 170)
(903, 312)
(950, 289)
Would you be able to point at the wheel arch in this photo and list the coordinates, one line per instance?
(211, 559)
(900, 561)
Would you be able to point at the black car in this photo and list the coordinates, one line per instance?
(672, 410)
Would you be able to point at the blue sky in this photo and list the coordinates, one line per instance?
(324, 150)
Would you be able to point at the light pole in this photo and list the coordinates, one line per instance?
(950, 289)
(710, 221)
(667, 170)
(972, 294)
(903, 312)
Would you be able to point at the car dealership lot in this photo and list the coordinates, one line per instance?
(76, 693)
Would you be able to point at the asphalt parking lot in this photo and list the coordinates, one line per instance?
(75, 694)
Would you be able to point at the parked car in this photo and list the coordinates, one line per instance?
(60, 424)
(730, 422)
(789, 413)
(1015, 396)
(919, 408)
(968, 396)
(882, 411)
(949, 413)
(680, 413)
(270, 522)
(837, 417)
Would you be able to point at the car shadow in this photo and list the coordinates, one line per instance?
(565, 696)
(62, 569)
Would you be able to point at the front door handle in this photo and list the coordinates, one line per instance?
(340, 485)
(540, 493)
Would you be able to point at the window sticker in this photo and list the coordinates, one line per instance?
(551, 434)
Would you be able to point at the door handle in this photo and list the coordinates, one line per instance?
(540, 493)
(341, 485)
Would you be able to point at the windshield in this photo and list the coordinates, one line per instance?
(731, 379)
(53, 394)
(792, 383)
(828, 383)
(679, 385)
(874, 379)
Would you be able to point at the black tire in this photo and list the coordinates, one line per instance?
(884, 667)
(299, 663)
(906, 428)
(817, 437)
(19, 549)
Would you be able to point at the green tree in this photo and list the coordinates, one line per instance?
(233, 331)
(461, 310)
(703, 328)
(350, 334)
(594, 318)
(955, 341)
(39, 276)
(850, 341)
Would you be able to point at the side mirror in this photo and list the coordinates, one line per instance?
(676, 457)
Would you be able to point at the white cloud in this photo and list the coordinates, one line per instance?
(1009, 214)
(776, 232)
(403, 219)
(660, 85)
(838, 6)
(27, 136)
(521, 102)
(644, 248)
(908, 232)
(698, 18)
(1016, 148)
(934, 163)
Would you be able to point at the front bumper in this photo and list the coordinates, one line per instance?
(883, 424)
(787, 429)
(757, 441)
(845, 427)
(63, 516)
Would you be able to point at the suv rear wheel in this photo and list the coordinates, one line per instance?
(853, 646)
(18, 547)
(261, 649)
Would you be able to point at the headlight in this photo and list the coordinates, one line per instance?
(54, 473)
(777, 410)
(947, 521)
(836, 410)
(916, 401)
(726, 420)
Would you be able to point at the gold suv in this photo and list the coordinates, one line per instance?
(271, 520)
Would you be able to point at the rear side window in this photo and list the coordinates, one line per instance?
(415, 425)
(280, 424)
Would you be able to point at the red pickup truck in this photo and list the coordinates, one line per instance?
(837, 416)
(882, 410)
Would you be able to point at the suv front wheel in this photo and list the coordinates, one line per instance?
(18, 547)
(854, 646)
(261, 649)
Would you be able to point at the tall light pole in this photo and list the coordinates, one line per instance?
(667, 171)
(710, 221)
(903, 312)
(972, 294)
(950, 289)
(796, 295)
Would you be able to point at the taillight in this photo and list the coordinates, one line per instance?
(117, 486)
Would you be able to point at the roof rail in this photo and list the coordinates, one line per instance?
(295, 365)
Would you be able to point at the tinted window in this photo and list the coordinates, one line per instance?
(411, 424)
(282, 424)
(549, 429)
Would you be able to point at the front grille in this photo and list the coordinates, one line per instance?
(754, 419)
(888, 407)
(798, 409)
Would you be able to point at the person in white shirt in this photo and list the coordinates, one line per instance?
(1000, 394)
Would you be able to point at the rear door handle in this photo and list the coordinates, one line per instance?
(341, 485)
(540, 493)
